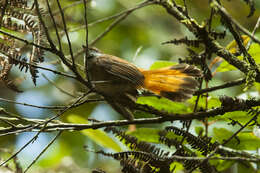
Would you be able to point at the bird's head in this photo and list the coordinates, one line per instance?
(93, 52)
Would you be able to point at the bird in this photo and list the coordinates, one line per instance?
(120, 81)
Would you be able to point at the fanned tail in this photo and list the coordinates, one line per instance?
(176, 83)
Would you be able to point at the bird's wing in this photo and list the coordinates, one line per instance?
(122, 69)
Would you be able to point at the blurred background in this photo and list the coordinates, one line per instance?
(137, 39)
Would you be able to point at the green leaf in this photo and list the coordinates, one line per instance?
(236, 115)
(178, 167)
(222, 165)
(146, 134)
(245, 167)
(247, 141)
(164, 104)
(211, 101)
(161, 64)
(179, 2)
(254, 51)
(257, 85)
(98, 136)
(79, 154)
(83, 110)
(225, 66)
(199, 130)
(240, 116)
(54, 156)
(152, 135)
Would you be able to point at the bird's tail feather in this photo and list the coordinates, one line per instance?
(176, 83)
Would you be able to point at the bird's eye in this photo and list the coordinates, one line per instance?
(91, 56)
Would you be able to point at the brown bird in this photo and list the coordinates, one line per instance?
(119, 81)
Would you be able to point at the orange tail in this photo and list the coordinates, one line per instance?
(176, 83)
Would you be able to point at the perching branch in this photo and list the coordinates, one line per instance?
(244, 105)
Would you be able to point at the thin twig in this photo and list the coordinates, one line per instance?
(240, 27)
(3, 12)
(238, 39)
(54, 24)
(42, 128)
(67, 108)
(118, 20)
(66, 33)
(62, 57)
(56, 86)
(216, 158)
(26, 41)
(188, 123)
(31, 105)
(137, 53)
(253, 33)
(210, 42)
(114, 16)
(58, 52)
(68, 6)
(39, 155)
(14, 116)
(42, 107)
(15, 119)
(44, 25)
(47, 69)
(118, 15)
(239, 130)
(23, 147)
(87, 47)
(225, 142)
(7, 122)
(45, 122)
(223, 86)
